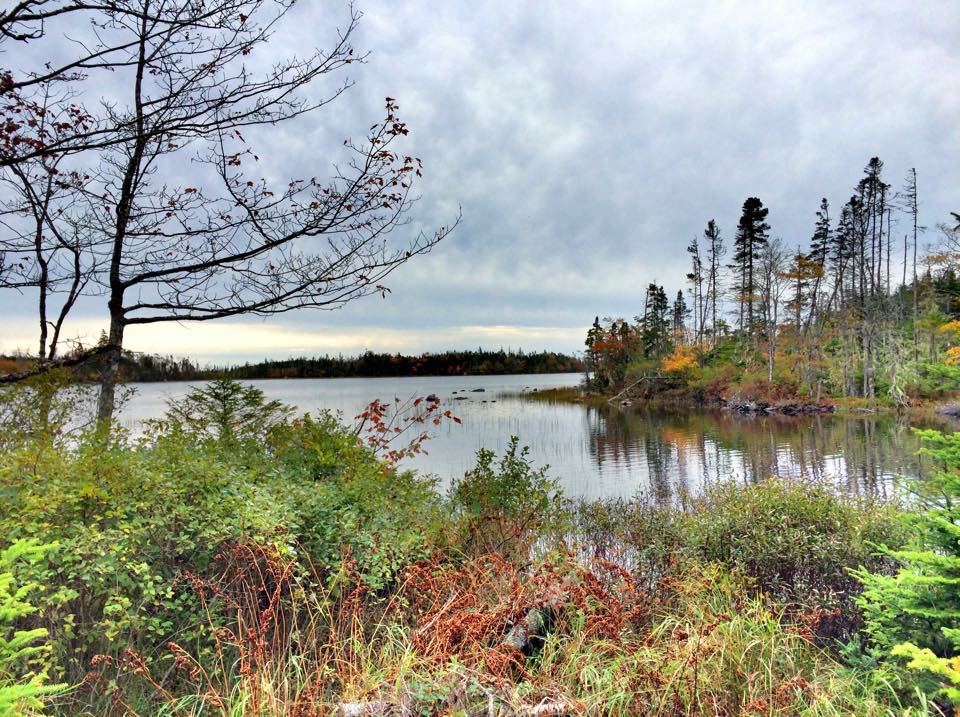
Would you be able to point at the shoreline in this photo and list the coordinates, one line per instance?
(943, 409)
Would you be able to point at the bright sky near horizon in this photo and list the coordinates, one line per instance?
(586, 144)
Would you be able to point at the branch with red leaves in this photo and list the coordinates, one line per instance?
(381, 424)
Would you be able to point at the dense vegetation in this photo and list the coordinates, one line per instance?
(149, 367)
(856, 314)
(236, 560)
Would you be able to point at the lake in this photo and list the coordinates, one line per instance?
(607, 452)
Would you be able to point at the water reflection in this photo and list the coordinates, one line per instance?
(608, 452)
(677, 454)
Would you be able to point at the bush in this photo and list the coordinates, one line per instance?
(798, 541)
(645, 537)
(136, 523)
(343, 503)
(226, 412)
(505, 508)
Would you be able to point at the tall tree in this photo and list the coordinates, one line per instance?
(715, 253)
(679, 315)
(820, 245)
(772, 283)
(695, 278)
(655, 325)
(912, 207)
(750, 238)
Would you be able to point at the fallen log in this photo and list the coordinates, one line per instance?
(528, 634)
(368, 709)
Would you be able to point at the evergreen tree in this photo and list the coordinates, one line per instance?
(820, 245)
(695, 277)
(916, 612)
(679, 318)
(751, 236)
(655, 325)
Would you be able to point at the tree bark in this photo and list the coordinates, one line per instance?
(108, 378)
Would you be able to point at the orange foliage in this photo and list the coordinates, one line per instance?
(682, 359)
(951, 327)
(461, 611)
(953, 356)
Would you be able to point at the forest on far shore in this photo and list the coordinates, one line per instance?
(479, 362)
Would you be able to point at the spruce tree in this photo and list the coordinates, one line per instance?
(655, 325)
(750, 238)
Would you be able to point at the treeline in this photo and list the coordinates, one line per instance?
(855, 309)
(143, 367)
(370, 364)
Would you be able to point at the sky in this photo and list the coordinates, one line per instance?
(586, 144)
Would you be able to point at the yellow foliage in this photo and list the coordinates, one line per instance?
(951, 327)
(682, 359)
(953, 356)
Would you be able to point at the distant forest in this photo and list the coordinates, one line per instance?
(147, 367)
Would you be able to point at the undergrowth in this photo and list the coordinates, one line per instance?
(257, 565)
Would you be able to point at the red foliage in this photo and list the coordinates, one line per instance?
(465, 611)
(381, 423)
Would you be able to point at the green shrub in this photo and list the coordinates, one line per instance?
(48, 407)
(798, 541)
(135, 521)
(505, 507)
(793, 540)
(644, 536)
(342, 502)
(224, 411)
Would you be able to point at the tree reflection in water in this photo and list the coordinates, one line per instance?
(674, 454)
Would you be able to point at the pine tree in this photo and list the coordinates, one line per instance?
(919, 607)
(751, 236)
(679, 318)
(695, 277)
(655, 325)
(820, 245)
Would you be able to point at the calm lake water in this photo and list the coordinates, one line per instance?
(608, 452)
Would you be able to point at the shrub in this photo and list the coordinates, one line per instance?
(645, 537)
(136, 522)
(343, 503)
(47, 407)
(505, 507)
(225, 411)
(798, 541)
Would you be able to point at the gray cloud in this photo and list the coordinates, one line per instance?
(588, 142)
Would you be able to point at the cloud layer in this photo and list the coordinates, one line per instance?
(588, 142)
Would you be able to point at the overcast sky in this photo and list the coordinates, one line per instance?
(586, 144)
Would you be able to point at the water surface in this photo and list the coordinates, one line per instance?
(608, 451)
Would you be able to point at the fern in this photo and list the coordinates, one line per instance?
(21, 686)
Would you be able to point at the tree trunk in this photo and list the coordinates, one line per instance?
(108, 377)
(868, 373)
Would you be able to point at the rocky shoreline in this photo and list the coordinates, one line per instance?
(788, 409)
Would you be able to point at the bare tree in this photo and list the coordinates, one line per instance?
(41, 252)
(774, 281)
(229, 242)
(911, 206)
(715, 252)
